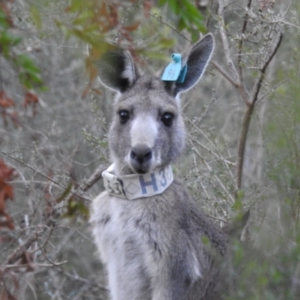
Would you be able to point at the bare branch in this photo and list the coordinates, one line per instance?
(97, 175)
(219, 158)
(242, 144)
(36, 265)
(235, 77)
(168, 25)
(83, 280)
(86, 185)
(249, 112)
(263, 69)
(225, 43)
(222, 185)
(17, 253)
(240, 47)
(225, 74)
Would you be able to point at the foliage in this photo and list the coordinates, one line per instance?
(58, 147)
(188, 16)
(103, 25)
(254, 275)
(282, 137)
(28, 72)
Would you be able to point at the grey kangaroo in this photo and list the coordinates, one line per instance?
(153, 238)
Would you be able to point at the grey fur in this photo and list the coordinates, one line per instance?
(153, 247)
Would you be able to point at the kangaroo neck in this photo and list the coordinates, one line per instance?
(136, 186)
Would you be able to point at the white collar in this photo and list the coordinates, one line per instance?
(135, 186)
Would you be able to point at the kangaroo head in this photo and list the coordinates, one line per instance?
(147, 130)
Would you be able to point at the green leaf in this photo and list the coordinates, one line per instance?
(65, 193)
(75, 207)
(3, 21)
(188, 15)
(29, 74)
(83, 18)
(6, 41)
(76, 6)
(181, 25)
(162, 2)
(173, 5)
(27, 64)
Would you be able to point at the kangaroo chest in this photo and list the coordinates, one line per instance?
(129, 230)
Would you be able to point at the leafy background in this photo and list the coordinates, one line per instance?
(55, 116)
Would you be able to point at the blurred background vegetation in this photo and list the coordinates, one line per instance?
(242, 135)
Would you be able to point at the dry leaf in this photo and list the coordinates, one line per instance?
(132, 27)
(5, 101)
(31, 99)
(6, 192)
(263, 4)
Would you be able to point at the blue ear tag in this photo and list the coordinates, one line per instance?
(174, 71)
(182, 75)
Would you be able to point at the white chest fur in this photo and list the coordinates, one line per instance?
(130, 244)
(126, 231)
(134, 238)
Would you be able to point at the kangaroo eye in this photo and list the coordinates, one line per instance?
(167, 119)
(124, 116)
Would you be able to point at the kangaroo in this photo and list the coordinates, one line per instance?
(154, 240)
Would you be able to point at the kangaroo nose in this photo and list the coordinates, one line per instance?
(141, 153)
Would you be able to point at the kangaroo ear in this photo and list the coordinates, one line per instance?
(196, 60)
(117, 70)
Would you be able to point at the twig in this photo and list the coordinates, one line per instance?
(258, 83)
(87, 184)
(240, 47)
(242, 86)
(216, 177)
(225, 74)
(206, 111)
(36, 265)
(93, 178)
(83, 280)
(47, 239)
(43, 175)
(219, 158)
(17, 253)
(234, 78)
(168, 25)
(274, 88)
(226, 44)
